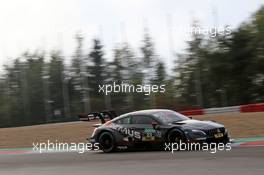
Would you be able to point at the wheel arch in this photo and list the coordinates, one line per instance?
(176, 130)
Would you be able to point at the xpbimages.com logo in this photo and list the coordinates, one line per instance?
(57, 146)
(130, 88)
(182, 146)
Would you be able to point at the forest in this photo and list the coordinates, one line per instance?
(224, 70)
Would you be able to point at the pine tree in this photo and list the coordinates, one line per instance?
(148, 56)
(148, 63)
(97, 74)
(79, 103)
(56, 68)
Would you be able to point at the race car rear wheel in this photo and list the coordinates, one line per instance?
(107, 142)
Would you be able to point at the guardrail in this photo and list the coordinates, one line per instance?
(259, 107)
(193, 112)
(222, 110)
(252, 107)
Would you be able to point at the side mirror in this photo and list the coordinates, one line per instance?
(155, 125)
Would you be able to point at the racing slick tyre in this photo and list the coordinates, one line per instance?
(176, 137)
(107, 142)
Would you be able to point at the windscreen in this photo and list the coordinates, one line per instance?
(169, 116)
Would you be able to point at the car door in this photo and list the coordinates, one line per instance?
(143, 124)
(127, 129)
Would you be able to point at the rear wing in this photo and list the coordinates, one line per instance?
(102, 116)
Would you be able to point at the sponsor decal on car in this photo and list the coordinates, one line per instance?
(127, 131)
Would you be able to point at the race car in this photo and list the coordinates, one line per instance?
(151, 129)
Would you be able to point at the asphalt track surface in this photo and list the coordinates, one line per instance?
(238, 161)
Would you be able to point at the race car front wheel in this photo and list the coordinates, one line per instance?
(107, 142)
(176, 137)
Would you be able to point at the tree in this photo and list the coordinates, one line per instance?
(79, 92)
(148, 60)
(159, 79)
(4, 104)
(125, 69)
(160, 73)
(190, 66)
(55, 72)
(148, 56)
(96, 71)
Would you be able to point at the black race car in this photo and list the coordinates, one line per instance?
(152, 129)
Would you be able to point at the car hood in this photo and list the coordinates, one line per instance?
(197, 124)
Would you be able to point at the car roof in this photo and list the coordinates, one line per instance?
(147, 112)
(142, 112)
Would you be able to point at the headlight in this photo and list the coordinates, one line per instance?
(226, 131)
(194, 133)
(198, 131)
(94, 132)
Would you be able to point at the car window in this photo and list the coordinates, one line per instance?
(169, 116)
(125, 120)
(140, 119)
